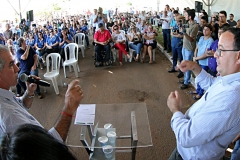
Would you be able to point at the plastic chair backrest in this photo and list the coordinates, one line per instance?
(79, 38)
(73, 51)
(56, 59)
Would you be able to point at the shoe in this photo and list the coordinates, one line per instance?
(120, 63)
(40, 96)
(150, 62)
(172, 70)
(184, 86)
(142, 60)
(197, 97)
(181, 81)
(106, 64)
(193, 92)
(180, 75)
(97, 64)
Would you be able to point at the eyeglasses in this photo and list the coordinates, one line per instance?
(219, 51)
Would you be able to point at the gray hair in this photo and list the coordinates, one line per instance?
(3, 49)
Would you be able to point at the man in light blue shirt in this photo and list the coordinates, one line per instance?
(209, 125)
(13, 111)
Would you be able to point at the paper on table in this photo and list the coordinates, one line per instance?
(85, 114)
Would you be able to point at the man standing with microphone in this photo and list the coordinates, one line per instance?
(28, 59)
(13, 110)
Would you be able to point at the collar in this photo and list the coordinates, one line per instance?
(6, 94)
(230, 78)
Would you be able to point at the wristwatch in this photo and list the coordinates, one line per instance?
(29, 96)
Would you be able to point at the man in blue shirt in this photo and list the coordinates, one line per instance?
(210, 125)
(28, 59)
(84, 30)
(2, 40)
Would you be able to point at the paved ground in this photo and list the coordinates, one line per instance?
(133, 82)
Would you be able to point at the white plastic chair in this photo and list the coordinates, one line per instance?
(53, 72)
(155, 22)
(153, 54)
(72, 59)
(79, 39)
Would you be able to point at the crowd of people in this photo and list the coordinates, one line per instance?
(209, 47)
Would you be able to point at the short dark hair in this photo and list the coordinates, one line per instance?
(209, 26)
(175, 12)
(191, 13)
(33, 142)
(223, 12)
(236, 33)
(231, 14)
(20, 41)
(205, 18)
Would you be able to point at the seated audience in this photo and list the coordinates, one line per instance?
(52, 42)
(65, 39)
(102, 37)
(40, 48)
(150, 43)
(119, 40)
(135, 41)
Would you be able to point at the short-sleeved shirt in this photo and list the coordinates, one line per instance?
(69, 37)
(192, 32)
(212, 63)
(233, 23)
(135, 38)
(1, 41)
(40, 43)
(8, 34)
(52, 40)
(118, 37)
(30, 42)
(27, 64)
(203, 45)
(102, 36)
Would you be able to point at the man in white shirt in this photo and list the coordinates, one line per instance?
(92, 18)
(166, 31)
(210, 124)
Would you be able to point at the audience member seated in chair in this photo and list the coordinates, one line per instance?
(65, 39)
(30, 142)
(119, 39)
(102, 37)
(40, 49)
(52, 42)
(150, 43)
(135, 42)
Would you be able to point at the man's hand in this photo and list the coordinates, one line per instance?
(73, 97)
(174, 102)
(236, 138)
(49, 47)
(210, 53)
(33, 67)
(31, 87)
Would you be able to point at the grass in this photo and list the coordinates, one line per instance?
(159, 38)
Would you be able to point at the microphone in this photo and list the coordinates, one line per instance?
(24, 78)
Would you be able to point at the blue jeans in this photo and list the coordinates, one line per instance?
(137, 47)
(166, 38)
(177, 55)
(199, 90)
(236, 151)
(187, 55)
